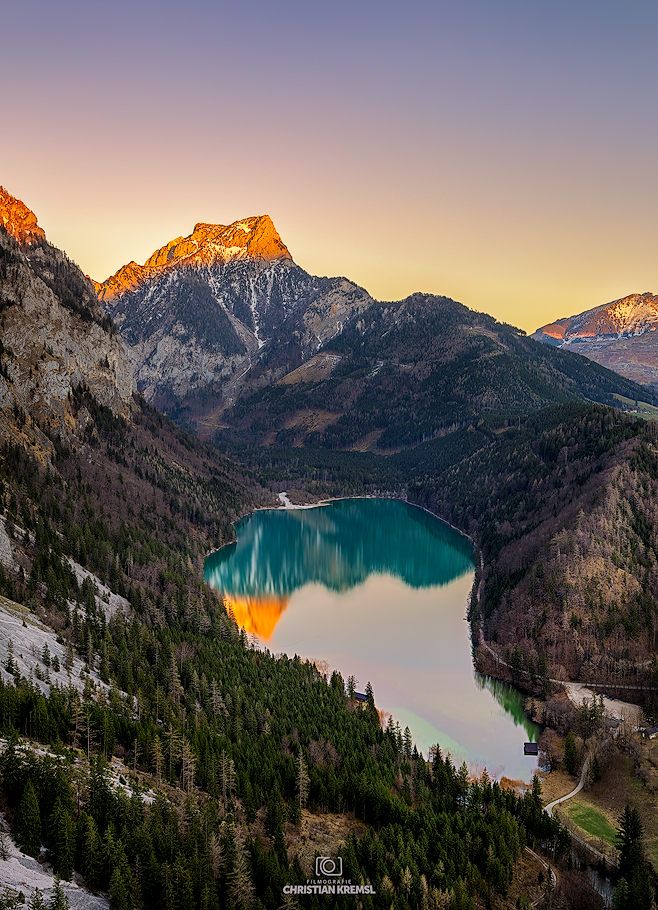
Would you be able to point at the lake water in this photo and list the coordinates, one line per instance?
(378, 589)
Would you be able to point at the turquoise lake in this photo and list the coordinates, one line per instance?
(378, 589)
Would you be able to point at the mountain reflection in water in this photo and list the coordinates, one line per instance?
(338, 546)
(378, 589)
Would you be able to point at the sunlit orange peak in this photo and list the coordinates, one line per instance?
(249, 238)
(257, 614)
(18, 219)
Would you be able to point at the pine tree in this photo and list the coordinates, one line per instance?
(90, 851)
(158, 759)
(60, 839)
(27, 822)
(635, 892)
(173, 744)
(241, 888)
(570, 754)
(36, 901)
(371, 708)
(302, 780)
(119, 893)
(274, 813)
(59, 900)
(216, 855)
(10, 663)
(227, 771)
(188, 766)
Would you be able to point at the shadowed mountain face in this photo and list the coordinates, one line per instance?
(622, 336)
(407, 372)
(54, 337)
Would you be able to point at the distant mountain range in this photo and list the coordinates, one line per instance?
(233, 339)
(621, 335)
(564, 495)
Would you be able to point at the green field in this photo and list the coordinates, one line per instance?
(644, 409)
(591, 820)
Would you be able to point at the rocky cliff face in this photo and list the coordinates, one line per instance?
(18, 220)
(54, 335)
(621, 335)
(209, 314)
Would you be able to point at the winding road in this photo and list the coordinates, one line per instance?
(583, 777)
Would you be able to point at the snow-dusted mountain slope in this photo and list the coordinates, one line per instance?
(204, 309)
(621, 335)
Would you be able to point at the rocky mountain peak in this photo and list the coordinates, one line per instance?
(630, 315)
(18, 220)
(253, 238)
(621, 335)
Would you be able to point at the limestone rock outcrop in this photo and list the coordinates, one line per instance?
(18, 220)
(55, 337)
(221, 310)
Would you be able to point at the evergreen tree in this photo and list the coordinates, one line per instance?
(36, 901)
(59, 900)
(570, 754)
(89, 851)
(635, 893)
(60, 840)
(27, 822)
(241, 888)
(10, 663)
(302, 780)
(274, 814)
(120, 898)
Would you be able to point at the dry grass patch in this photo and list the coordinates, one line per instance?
(556, 784)
(322, 834)
(619, 786)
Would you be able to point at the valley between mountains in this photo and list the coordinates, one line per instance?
(140, 416)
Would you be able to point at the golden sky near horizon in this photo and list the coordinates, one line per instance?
(500, 154)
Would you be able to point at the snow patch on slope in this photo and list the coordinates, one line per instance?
(106, 600)
(23, 873)
(6, 550)
(28, 635)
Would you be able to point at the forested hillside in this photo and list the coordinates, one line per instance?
(415, 370)
(237, 742)
(561, 506)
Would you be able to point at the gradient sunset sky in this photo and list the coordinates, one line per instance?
(501, 153)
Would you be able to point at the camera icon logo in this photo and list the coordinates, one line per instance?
(325, 865)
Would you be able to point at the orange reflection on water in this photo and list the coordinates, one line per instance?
(257, 614)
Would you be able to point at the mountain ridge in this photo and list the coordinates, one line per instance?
(196, 315)
(248, 238)
(620, 335)
(55, 338)
(210, 334)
